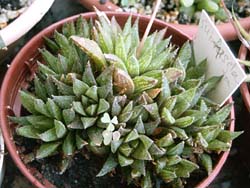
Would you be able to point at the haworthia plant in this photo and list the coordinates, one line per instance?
(148, 114)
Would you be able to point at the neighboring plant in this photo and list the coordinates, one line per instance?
(183, 11)
(243, 35)
(145, 113)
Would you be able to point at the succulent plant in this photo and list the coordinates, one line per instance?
(146, 113)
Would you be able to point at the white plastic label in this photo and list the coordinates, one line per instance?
(209, 44)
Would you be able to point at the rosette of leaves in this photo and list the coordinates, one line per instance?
(145, 113)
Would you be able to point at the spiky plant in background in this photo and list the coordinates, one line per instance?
(146, 113)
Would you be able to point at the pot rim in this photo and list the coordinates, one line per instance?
(17, 60)
(226, 29)
(244, 89)
(24, 22)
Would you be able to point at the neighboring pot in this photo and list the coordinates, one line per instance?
(226, 29)
(22, 24)
(20, 73)
(244, 88)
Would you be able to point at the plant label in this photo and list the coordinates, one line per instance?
(209, 44)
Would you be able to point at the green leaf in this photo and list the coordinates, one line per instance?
(41, 123)
(50, 87)
(124, 161)
(207, 162)
(115, 61)
(220, 116)
(209, 5)
(115, 145)
(51, 44)
(185, 54)
(88, 75)
(167, 116)
(152, 109)
(228, 136)
(187, 3)
(80, 143)
(63, 88)
(177, 149)
(68, 146)
(68, 115)
(167, 175)
(19, 120)
(28, 132)
(76, 124)
(197, 71)
(88, 121)
(77, 106)
(146, 141)
(145, 60)
(143, 83)
(95, 136)
(184, 122)
(133, 135)
(50, 59)
(79, 87)
(146, 181)
(165, 89)
(91, 109)
(212, 83)
(49, 135)
(63, 101)
(60, 129)
(141, 153)
(45, 69)
(165, 141)
(92, 93)
(105, 39)
(108, 166)
(139, 165)
(92, 49)
(133, 67)
(40, 89)
(41, 107)
(47, 149)
(139, 126)
(173, 160)
(53, 109)
(125, 149)
(218, 146)
(27, 101)
(120, 49)
(103, 106)
(181, 133)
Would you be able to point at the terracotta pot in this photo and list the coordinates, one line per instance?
(244, 88)
(22, 69)
(226, 29)
(21, 25)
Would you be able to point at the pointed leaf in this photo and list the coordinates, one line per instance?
(49, 135)
(28, 132)
(88, 121)
(63, 101)
(77, 106)
(124, 161)
(60, 129)
(47, 149)
(108, 166)
(92, 49)
(53, 109)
